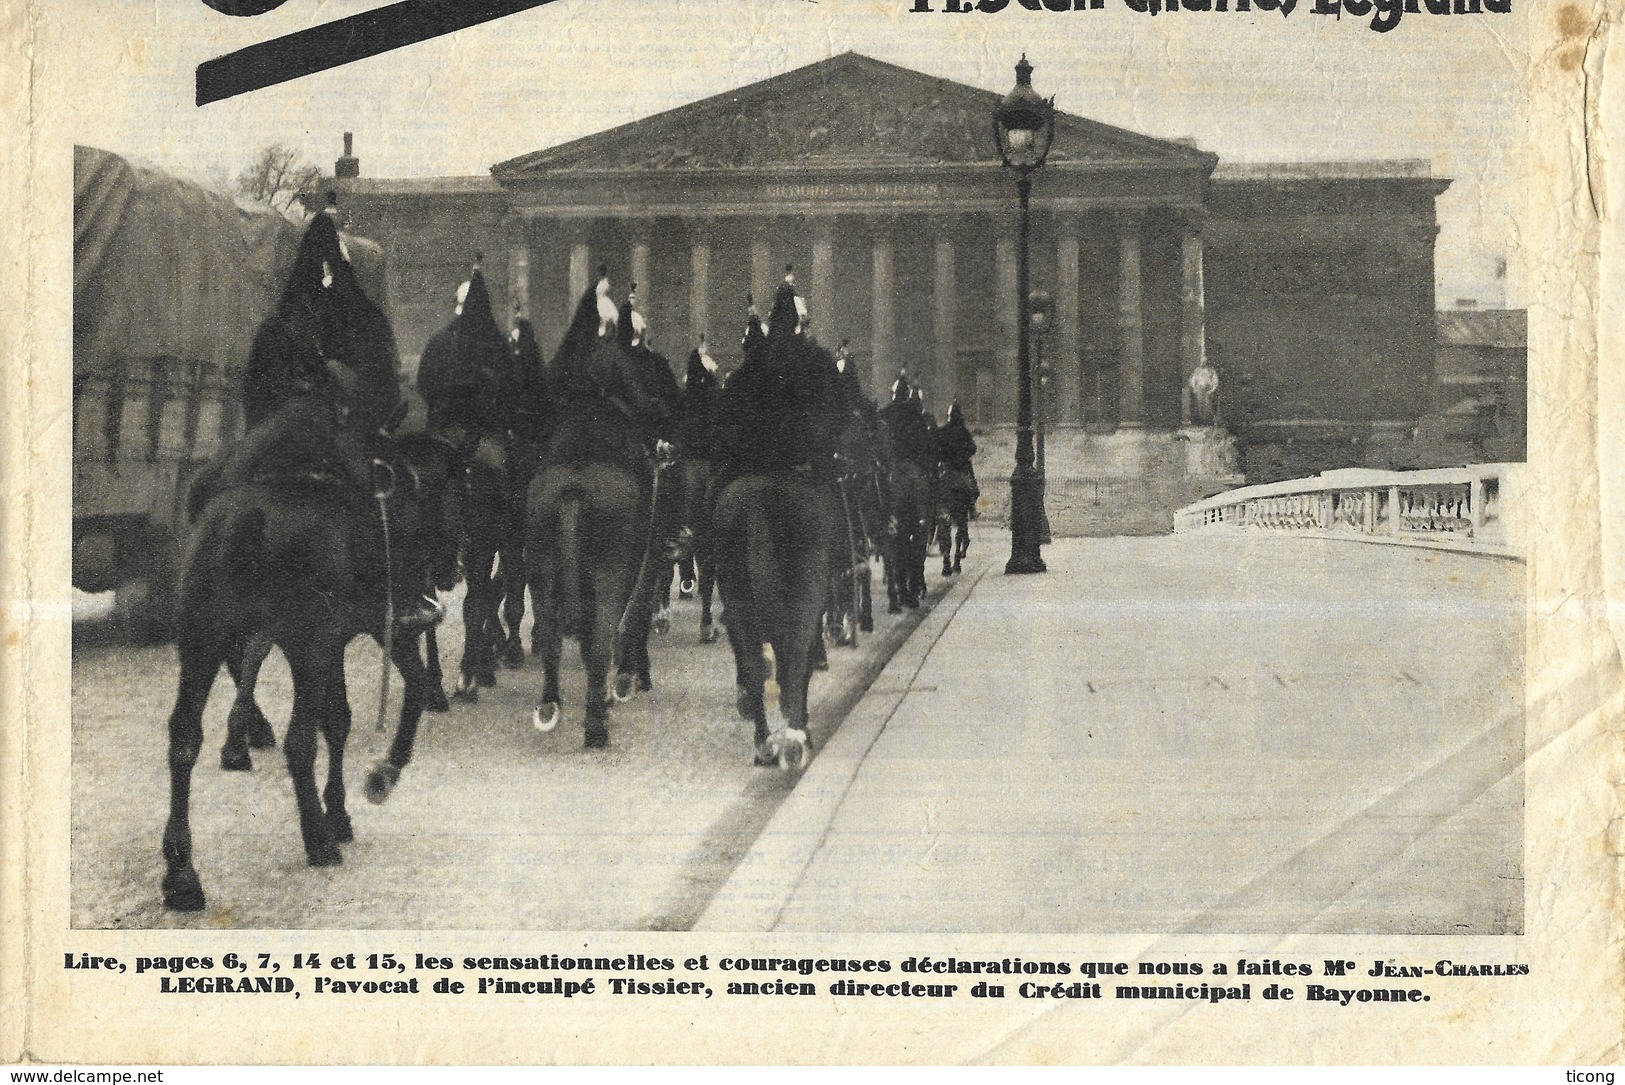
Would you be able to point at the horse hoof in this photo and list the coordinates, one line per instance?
(708, 634)
(324, 854)
(236, 760)
(867, 625)
(466, 690)
(621, 688)
(381, 780)
(486, 678)
(436, 701)
(767, 753)
(793, 750)
(545, 717)
(514, 657)
(894, 608)
(182, 891)
(644, 685)
(339, 829)
(597, 738)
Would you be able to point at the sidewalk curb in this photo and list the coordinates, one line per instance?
(756, 893)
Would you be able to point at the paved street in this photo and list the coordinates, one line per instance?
(1175, 734)
(493, 826)
(1167, 734)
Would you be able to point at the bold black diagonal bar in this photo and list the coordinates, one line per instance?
(342, 41)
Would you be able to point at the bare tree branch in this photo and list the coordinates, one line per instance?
(278, 177)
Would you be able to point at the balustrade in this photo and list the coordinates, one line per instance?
(1463, 508)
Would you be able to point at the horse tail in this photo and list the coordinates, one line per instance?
(569, 570)
(767, 588)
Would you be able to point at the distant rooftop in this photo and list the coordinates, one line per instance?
(420, 186)
(1375, 170)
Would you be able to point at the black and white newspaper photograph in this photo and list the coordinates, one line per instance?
(550, 532)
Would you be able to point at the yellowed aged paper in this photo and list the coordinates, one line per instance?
(1515, 109)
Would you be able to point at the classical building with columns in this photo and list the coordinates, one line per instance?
(1308, 288)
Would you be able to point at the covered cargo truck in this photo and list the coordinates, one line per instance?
(170, 283)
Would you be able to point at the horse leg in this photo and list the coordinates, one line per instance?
(513, 604)
(750, 675)
(545, 641)
(384, 775)
(434, 693)
(961, 538)
(474, 667)
(182, 890)
(707, 587)
(313, 665)
(894, 575)
(597, 651)
(336, 730)
(246, 725)
(635, 649)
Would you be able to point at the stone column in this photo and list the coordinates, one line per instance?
(518, 271)
(762, 280)
(640, 272)
(944, 339)
(1192, 308)
(1007, 312)
(1131, 324)
(699, 289)
(580, 269)
(883, 319)
(1067, 395)
(821, 300)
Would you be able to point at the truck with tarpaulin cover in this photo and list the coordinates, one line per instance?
(170, 283)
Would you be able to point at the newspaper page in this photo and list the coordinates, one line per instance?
(1019, 531)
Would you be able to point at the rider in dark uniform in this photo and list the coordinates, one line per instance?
(955, 446)
(702, 395)
(321, 392)
(466, 377)
(906, 429)
(782, 409)
(608, 398)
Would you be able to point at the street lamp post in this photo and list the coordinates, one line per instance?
(1039, 306)
(1023, 128)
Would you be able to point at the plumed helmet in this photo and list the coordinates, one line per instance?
(474, 304)
(321, 262)
(608, 317)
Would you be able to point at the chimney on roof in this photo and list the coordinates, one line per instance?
(349, 166)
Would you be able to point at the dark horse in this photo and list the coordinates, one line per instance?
(776, 518)
(588, 525)
(295, 560)
(485, 511)
(773, 545)
(913, 509)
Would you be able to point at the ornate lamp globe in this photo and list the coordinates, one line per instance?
(1024, 123)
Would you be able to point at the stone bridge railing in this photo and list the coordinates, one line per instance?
(1456, 508)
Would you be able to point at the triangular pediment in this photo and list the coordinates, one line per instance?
(847, 111)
